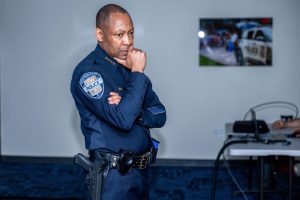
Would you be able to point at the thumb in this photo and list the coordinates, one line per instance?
(122, 62)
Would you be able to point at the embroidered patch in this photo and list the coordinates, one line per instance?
(92, 84)
(156, 110)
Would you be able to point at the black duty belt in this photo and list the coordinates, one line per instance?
(125, 160)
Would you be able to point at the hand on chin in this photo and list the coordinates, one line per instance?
(122, 59)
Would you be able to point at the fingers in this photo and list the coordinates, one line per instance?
(138, 50)
(131, 48)
(275, 124)
(114, 98)
(135, 61)
(138, 60)
(134, 53)
(278, 124)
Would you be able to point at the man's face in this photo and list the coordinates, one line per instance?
(117, 37)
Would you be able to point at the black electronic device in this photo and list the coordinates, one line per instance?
(251, 126)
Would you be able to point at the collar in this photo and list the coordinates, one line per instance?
(102, 56)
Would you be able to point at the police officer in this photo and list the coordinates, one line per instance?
(117, 105)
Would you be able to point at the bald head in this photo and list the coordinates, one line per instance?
(102, 18)
(114, 31)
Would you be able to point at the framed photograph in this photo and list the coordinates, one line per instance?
(235, 41)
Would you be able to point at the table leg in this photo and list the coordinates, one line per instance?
(291, 161)
(261, 190)
(250, 169)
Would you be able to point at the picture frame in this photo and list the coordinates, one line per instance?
(235, 41)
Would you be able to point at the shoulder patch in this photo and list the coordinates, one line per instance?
(92, 84)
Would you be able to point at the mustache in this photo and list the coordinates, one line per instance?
(126, 49)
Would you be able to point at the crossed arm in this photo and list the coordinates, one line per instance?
(288, 124)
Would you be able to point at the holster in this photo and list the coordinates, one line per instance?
(94, 175)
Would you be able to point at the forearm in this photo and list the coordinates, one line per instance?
(153, 117)
(293, 124)
(153, 114)
(123, 115)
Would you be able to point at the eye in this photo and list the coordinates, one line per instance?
(119, 35)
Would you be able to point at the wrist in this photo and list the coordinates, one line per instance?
(137, 69)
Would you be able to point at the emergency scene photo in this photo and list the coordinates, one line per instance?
(235, 42)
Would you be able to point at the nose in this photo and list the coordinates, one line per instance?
(128, 40)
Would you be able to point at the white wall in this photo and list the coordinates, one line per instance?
(42, 42)
(1, 53)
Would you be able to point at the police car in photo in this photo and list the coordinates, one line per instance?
(255, 47)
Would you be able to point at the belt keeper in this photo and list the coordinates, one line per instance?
(114, 161)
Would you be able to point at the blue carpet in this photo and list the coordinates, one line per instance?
(65, 181)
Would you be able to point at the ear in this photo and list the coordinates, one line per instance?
(99, 34)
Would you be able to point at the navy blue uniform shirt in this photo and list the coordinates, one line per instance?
(115, 127)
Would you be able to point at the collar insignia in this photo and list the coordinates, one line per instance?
(109, 60)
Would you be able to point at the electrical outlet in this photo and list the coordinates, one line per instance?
(219, 131)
